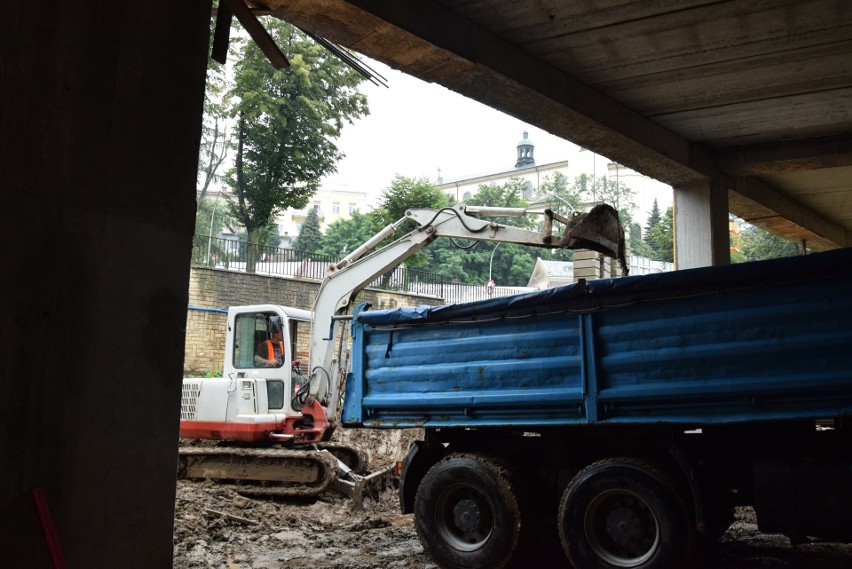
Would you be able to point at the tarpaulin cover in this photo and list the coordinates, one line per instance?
(609, 293)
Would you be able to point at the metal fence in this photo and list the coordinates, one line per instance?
(232, 255)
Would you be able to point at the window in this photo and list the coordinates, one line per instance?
(250, 331)
(316, 207)
(467, 196)
(275, 393)
(352, 208)
(335, 207)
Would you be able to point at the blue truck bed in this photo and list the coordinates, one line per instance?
(754, 342)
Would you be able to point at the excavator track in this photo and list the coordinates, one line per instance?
(261, 471)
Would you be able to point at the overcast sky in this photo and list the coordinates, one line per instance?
(415, 128)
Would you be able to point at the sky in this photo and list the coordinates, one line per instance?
(415, 128)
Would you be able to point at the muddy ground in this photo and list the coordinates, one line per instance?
(217, 528)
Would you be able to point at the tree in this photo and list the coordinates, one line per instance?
(654, 219)
(473, 262)
(310, 235)
(211, 217)
(407, 193)
(611, 191)
(564, 200)
(661, 234)
(344, 235)
(214, 133)
(756, 244)
(286, 121)
(404, 194)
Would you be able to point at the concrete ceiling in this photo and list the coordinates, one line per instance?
(756, 94)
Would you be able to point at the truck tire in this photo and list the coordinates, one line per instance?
(466, 513)
(624, 513)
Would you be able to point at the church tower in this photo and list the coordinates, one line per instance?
(525, 152)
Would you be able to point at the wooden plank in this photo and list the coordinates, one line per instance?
(257, 32)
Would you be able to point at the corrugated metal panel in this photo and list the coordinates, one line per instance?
(457, 370)
(708, 346)
(759, 354)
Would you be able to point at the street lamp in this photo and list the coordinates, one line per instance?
(489, 286)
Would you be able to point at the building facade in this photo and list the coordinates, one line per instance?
(464, 188)
(331, 205)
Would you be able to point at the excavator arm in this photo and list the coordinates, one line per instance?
(598, 229)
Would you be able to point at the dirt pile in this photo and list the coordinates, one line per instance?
(218, 528)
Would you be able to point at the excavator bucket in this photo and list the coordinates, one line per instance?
(599, 230)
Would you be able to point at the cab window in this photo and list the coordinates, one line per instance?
(250, 331)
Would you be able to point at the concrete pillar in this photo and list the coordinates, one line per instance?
(100, 117)
(701, 225)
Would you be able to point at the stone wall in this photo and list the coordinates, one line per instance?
(212, 291)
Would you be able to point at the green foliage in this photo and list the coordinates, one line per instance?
(211, 216)
(660, 236)
(470, 262)
(610, 191)
(404, 194)
(654, 219)
(215, 143)
(756, 244)
(286, 122)
(563, 199)
(657, 243)
(344, 235)
(408, 193)
(310, 235)
(266, 236)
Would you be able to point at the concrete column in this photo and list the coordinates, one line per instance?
(701, 225)
(100, 117)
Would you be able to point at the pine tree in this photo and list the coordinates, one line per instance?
(651, 234)
(310, 235)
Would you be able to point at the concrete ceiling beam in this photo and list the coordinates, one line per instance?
(794, 155)
(761, 204)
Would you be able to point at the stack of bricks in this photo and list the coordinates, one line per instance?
(590, 265)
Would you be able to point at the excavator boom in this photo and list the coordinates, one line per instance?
(599, 230)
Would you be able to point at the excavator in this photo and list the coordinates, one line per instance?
(272, 423)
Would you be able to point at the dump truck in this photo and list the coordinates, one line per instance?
(621, 419)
